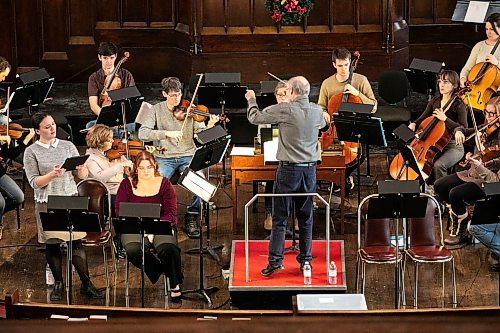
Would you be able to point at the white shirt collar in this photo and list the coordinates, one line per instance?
(47, 146)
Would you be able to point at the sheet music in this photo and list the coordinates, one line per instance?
(143, 112)
(477, 11)
(242, 151)
(270, 151)
(4, 109)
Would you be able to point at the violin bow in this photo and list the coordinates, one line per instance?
(191, 103)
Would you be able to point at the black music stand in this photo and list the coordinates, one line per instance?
(397, 199)
(405, 136)
(359, 127)
(422, 75)
(33, 91)
(205, 156)
(141, 218)
(69, 214)
(266, 97)
(462, 8)
(126, 103)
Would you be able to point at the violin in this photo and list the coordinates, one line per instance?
(15, 130)
(490, 129)
(199, 113)
(486, 155)
(129, 148)
(112, 82)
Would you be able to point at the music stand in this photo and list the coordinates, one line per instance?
(141, 218)
(397, 199)
(69, 214)
(266, 97)
(33, 91)
(126, 103)
(205, 156)
(422, 75)
(359, 127)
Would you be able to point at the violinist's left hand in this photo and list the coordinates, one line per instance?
(213, 120)
(5, 139)
(492, 60)
(439, 114)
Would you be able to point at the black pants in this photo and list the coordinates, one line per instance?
(167, 259)
(54, 259)
(456, 192)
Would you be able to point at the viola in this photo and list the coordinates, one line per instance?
(350, 149)
(486, 155)
(431, 138)
(119, 149)
(112, 81)
(199, 113)
(15, 130)
(490, 129)
(485, 80)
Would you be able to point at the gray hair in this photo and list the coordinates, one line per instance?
(299, 85)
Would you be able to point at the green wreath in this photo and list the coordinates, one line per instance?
(289, 12)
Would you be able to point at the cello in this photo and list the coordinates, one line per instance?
(350, 149)
(485, 80)
(431, 137)
(112, 81)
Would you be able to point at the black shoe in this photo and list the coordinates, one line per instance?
(176, 295)
(57, 291)
(302, 265)
(494, 262)
(269, 270)
(90, 290)
(191, 225)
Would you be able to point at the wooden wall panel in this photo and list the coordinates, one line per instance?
(28, 28)
(343, 12)
(55, 33)
(370, 12)
(421, 11)
(162, 11)
(320, 13)
(108, 10)
(213, 13)
(7, 46)
(261, 16)
(239, 13)
(444, 10)
(134, 13)
(81, 17)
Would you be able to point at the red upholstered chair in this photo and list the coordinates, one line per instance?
(100, 203)
(375, 245)
(424, 248)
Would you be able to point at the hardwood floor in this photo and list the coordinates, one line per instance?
(23, 267)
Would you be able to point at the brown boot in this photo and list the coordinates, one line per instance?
(458, 233)
(268, 222)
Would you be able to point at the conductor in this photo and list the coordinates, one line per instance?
(298, 121)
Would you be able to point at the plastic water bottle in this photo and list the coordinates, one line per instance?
(49, 278)
(332, 273)
(307, 273)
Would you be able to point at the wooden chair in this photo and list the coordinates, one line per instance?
(423, 247)
(99, 198)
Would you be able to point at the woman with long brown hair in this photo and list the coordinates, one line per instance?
(146, 185)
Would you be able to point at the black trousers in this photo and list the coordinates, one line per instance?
(456, 192)
(54, 259)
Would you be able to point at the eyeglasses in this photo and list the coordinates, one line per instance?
(174, 95)
(149, 167)
(280, 95)
(491, 114)
(443, 81)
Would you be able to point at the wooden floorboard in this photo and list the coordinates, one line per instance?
(23, 267)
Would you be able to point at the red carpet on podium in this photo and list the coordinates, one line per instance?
(291, 276)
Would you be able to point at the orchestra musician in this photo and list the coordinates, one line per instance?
(481, 52)
(146, 185)
(42, 162)
(176, 146)
(5, 69)
(299, 122)
(99, 139)
(10, 149)
(454, 117)
(107, 54)
(466, 186)
(280, 92)
(337, 84)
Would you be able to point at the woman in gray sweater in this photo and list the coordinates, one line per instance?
(42, 162)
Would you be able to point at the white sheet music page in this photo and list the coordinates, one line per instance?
(476, 11)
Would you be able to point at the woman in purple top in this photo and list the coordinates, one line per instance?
(146, 185)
